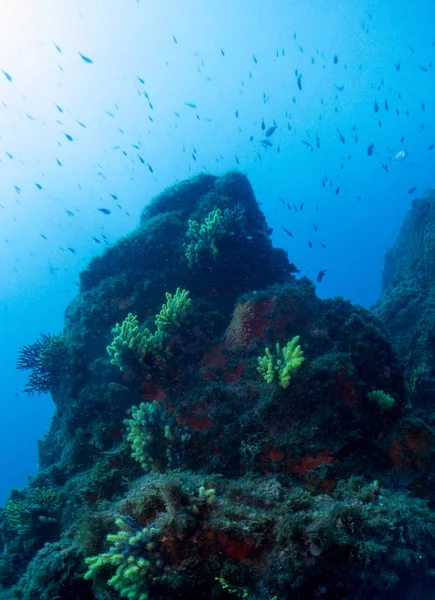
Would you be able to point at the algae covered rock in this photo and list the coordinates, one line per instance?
(206, 465)
(407, 304)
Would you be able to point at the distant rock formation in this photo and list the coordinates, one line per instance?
(407, 304)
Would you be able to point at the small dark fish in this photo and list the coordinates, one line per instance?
(431, 147)
(299, 82)
(96, 240)
(190, 104)
(81, 124)
(266, 143)
(255, 58)
(320, 275)
(314, 227)
(175, 39)
(337, 191)
(86, 59)
(386, 104)
(411, 49)
(39, 186)
(376, 107)
(423, 69)
(397, 66)
(59, 108)
(289, 233)
(222, 52)
(237, 160)
(106, 211)
(8, 77)
(44, 237)
(72, 250)
(57, 48)
(310, 244)
(69, 212)
(412, 190)
(370, 149)
(271, 130)
(402, 139)
(307, 144)
(263, 125)
(301, 208)
(114, 196)
(141, 80)
(237, 114)
(335, 59)
(193, 156)
(68, 137)
(380, 123)
(323, 245)
(341, 137)
(340, 88)
(150, 169)
(282, 200)
(423, 106)
(141, 159)
(9, 155)
(385, 167)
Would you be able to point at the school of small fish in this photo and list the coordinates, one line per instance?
(265, 135)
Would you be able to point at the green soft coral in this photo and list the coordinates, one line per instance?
(202, 238)
(153, 443)
(144, 429)
(282, 365)
(133, 554)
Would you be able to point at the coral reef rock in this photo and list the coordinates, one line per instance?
(220, 431)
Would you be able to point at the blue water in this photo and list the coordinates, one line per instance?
(69, 127)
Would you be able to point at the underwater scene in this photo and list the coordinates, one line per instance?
(217, 300)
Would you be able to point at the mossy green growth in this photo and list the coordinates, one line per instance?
(40, 506)
(132, 343)
(133, 553)
(283, 364)
(17, 514)
(236, 590)
(382, 399)
(202, 238)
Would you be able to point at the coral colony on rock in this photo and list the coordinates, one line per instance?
(221, 432)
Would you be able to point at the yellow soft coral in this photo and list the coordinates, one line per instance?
(130, 343)
(283, 365)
